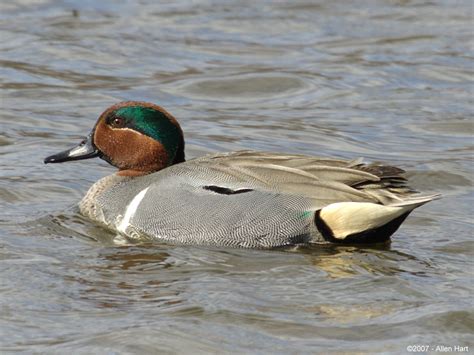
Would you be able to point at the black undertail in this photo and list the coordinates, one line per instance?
(377, 235)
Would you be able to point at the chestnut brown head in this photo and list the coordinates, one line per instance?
(136, 137)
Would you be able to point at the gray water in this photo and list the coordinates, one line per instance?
(387, 80)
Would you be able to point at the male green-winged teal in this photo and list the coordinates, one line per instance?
(240, 199)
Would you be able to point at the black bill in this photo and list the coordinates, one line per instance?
(85, 150)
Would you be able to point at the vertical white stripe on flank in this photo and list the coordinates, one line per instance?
(131, 209)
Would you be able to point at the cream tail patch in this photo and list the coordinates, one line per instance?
(347, 218)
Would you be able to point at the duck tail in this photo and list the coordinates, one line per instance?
(365, 222)
(416, 201)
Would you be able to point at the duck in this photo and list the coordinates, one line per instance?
(241, 199)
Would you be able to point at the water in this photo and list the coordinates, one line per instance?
(387, 80)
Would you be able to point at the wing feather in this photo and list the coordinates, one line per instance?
(321, 179)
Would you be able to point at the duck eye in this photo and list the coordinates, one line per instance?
(117, 122)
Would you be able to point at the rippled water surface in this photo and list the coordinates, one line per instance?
(387, 80)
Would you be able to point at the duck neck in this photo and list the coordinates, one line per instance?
(179, 156)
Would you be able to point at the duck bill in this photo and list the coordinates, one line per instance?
(85, 150)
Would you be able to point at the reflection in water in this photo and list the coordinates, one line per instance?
(352, 261)
(130, 260)
(111, 284)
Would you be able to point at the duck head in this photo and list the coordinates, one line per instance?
(136, 137)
